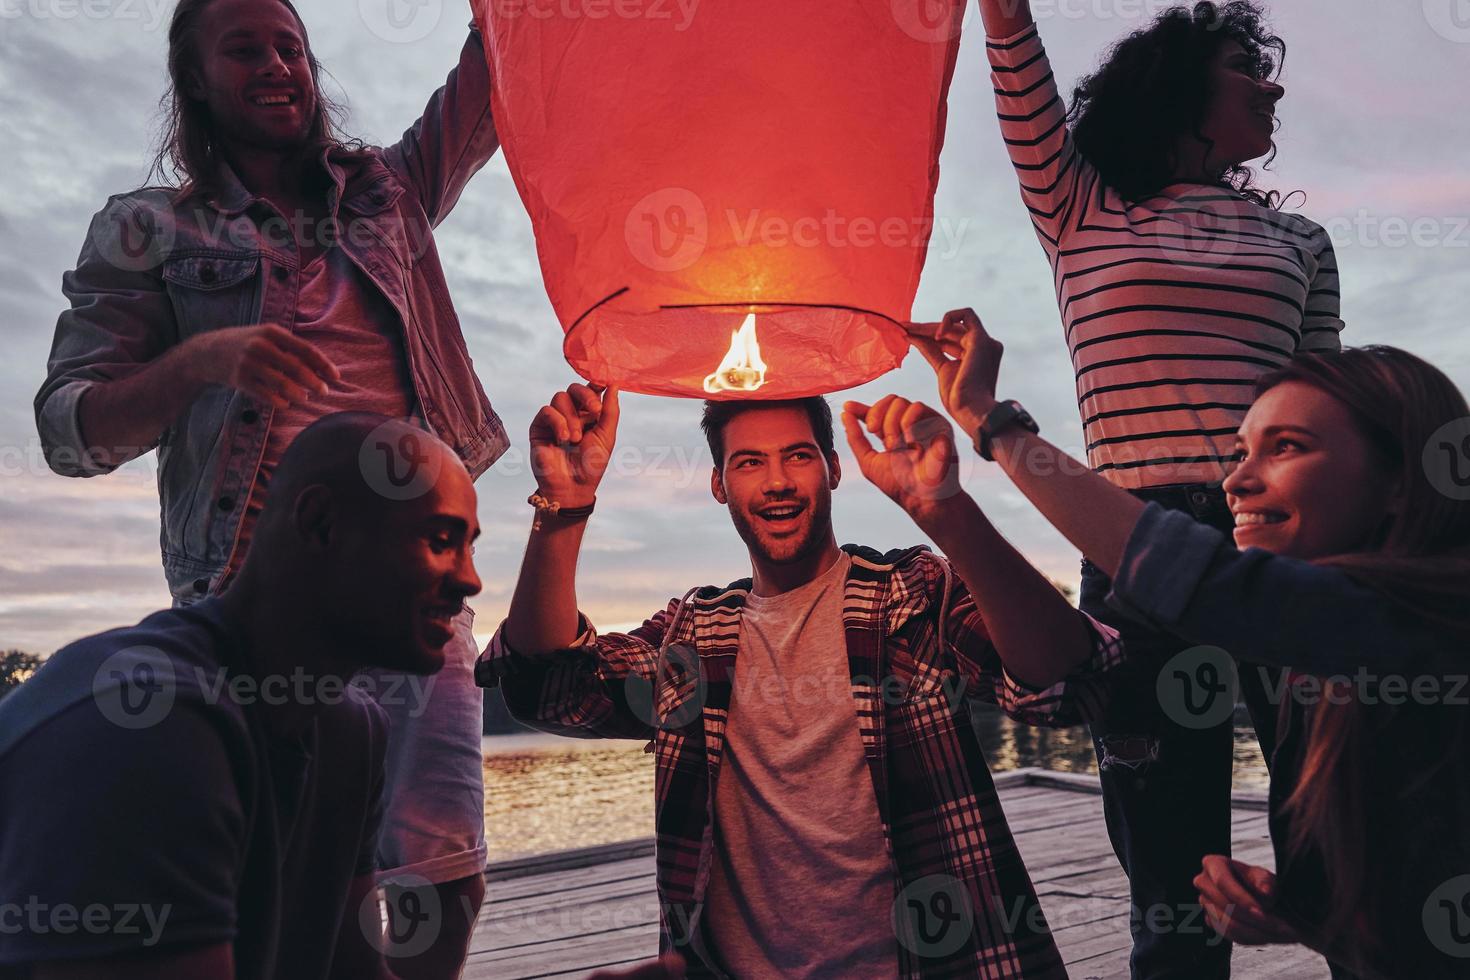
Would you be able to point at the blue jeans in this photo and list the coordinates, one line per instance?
(1166, 787)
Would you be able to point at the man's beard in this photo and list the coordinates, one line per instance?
(247, 131)
(791, 550)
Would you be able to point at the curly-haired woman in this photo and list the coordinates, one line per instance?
(1180, 283)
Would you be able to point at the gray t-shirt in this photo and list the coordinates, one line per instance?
(801, 884)
(144, 807)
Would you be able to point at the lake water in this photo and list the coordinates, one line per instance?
(545, 793)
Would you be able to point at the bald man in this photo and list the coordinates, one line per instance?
(199, 795)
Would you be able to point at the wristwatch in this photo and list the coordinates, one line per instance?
(1004, 415)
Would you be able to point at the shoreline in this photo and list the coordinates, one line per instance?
(544, 743)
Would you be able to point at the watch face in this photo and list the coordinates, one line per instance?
(1022, 417)
(1004, 415)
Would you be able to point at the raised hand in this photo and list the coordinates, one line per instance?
(264, 360)
(572, 440)
(966, 360)
(917, 467)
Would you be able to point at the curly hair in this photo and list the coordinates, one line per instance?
(1127, 116)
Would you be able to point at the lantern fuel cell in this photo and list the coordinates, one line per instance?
(742, 368)
(739, 207)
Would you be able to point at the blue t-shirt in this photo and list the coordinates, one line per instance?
(145, 804)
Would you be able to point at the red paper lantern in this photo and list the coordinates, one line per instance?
(706, 179)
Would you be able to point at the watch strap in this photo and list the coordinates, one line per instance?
(1001, 417)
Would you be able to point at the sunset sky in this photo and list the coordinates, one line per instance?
(1374, 133)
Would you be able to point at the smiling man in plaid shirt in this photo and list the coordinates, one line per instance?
(823, 805)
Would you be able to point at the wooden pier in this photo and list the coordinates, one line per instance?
(568, 913)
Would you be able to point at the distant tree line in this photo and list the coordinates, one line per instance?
(15, 667)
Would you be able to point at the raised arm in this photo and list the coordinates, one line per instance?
(453, 138)
(1005, 18)
(1033, 117)
(556, 673)
(595, 686)
(1039, 636)
(1189, 579)
(572, 440)
(1089, 511)
(1185, 577)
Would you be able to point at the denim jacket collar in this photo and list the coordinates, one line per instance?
(232, 197)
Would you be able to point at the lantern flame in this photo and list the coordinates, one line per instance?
(742, 369)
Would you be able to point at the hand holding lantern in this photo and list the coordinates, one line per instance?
(966, 360)
(572, 440)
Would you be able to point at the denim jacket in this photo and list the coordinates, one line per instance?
(155, 270)
(1323, 625)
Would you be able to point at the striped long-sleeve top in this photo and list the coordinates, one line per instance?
(1172, 305)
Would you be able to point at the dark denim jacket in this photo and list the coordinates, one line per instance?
(156, 270)
(1188, 579)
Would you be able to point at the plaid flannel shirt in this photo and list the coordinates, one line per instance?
(913, 634)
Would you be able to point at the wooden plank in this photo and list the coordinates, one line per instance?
(567, 907)
(578, 930)
(573, 912)
(552, 888)
(566, 960)
(563, 860)
(1240, 799)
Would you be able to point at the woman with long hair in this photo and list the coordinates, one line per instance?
(1179, 283)
(1349, 568)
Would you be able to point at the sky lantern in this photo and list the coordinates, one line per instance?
(730, 198)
